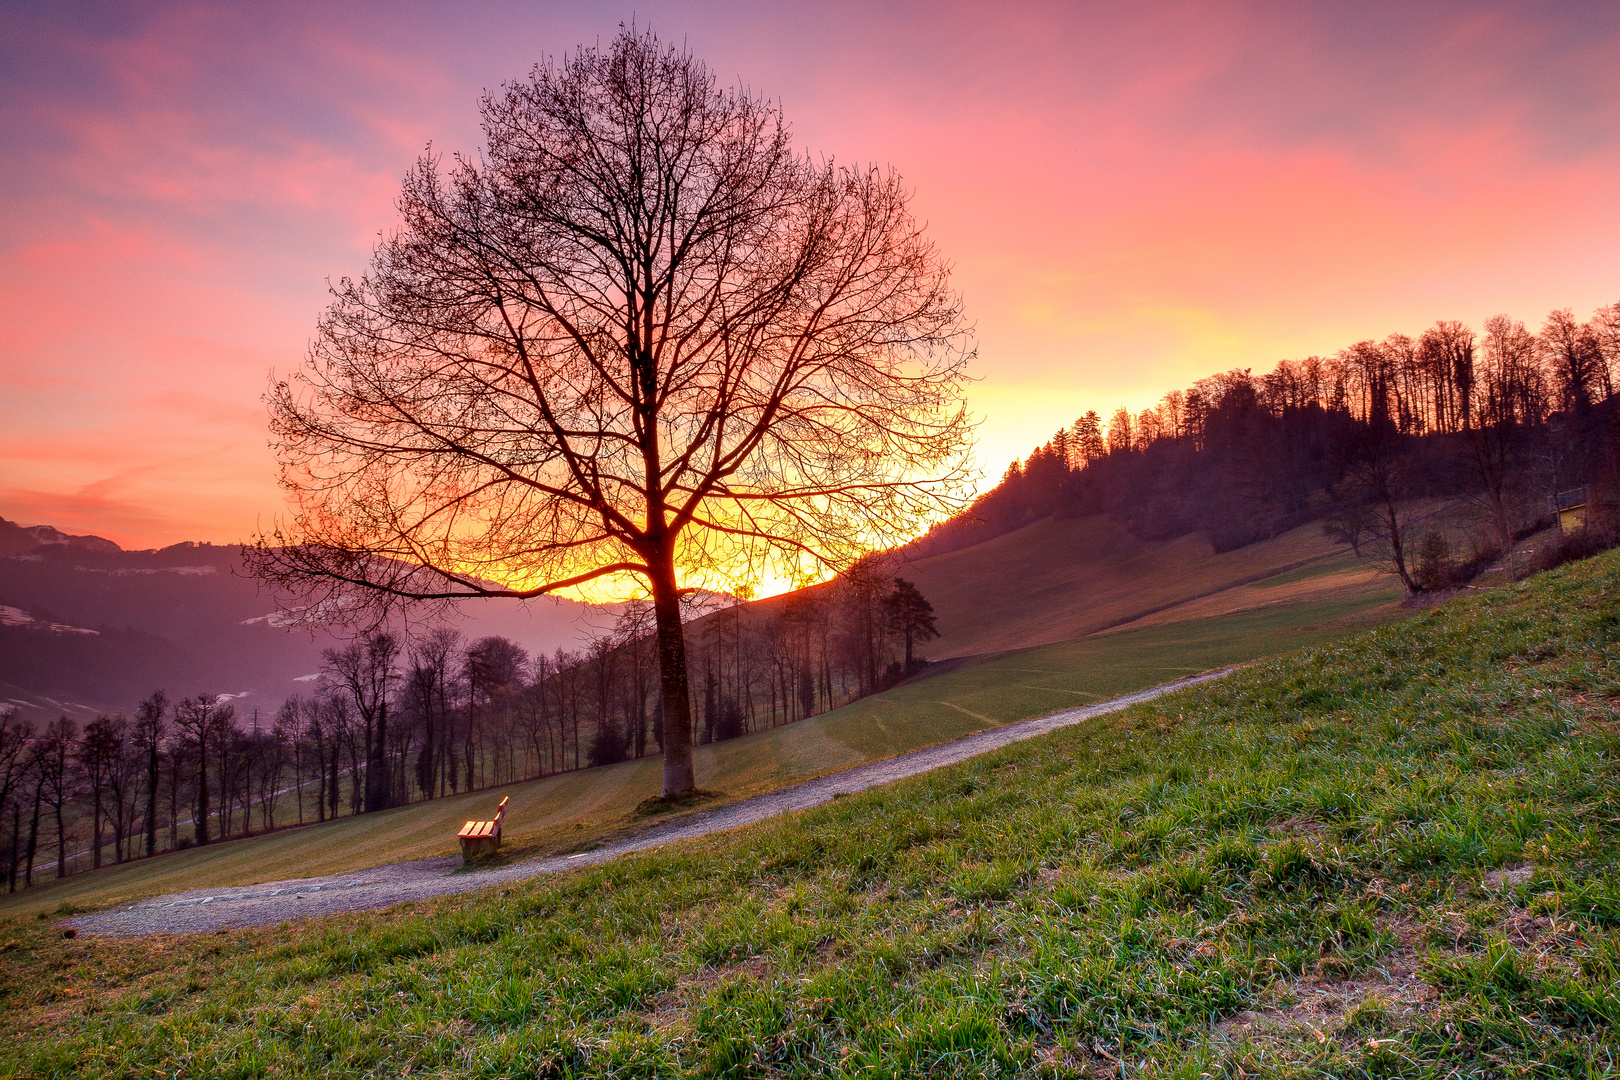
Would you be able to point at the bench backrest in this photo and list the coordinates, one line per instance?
(500, 811)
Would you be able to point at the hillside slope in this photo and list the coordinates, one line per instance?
(561, 812)
(87, 628)
(1060, 579)
(186, 618)
(1391, 856)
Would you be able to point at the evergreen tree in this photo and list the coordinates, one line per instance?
(910, 615)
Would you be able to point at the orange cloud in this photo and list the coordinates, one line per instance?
(1132, 197)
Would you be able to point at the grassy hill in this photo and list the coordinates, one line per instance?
(1193, 610)
(563, 812)
(1058, 580)
(1393, 855)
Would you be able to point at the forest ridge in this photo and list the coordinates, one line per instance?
(1502, 418)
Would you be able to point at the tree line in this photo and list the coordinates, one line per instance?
(1497, 420)
(403, 716)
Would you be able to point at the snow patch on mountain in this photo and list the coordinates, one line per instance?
(14, 616)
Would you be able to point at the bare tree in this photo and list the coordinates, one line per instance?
(198, 721)
(365, 669)
(270, 749)
(290, 727)
(541, 713)
(126, 789)
(428, 685)
(34, 778)
(861, 590)
(1446, 358)
(96, 755)
(317, 729)
(16, 736)
(148, 735)
(638, 338)
(1508, 404)
(607, 740)
(229, 745)
(1376, 478)
(634, 634)
(1605, 326)
(338, 721)
(1574, 355)
(1350, 520)
(1120, 439)
(53, 753)
(179, 755)
(492, 668)
(570, 681)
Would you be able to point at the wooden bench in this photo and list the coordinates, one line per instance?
(482, 837)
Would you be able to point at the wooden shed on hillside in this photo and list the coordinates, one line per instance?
(1570, 506)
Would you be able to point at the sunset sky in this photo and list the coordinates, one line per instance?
(1133, 196)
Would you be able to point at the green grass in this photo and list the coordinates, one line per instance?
(561, 813)
(1046, 678)
(1393, 855)
(1059, 580)
(1332, 566)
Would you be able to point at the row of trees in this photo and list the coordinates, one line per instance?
(1499, 419)
(399, 717)
(126, 785)
(1447, 380)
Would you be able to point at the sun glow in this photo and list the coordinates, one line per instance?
(1132, 198)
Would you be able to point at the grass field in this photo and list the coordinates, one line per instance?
(1059, 580)
(563, 812)
(1392, 855)
(1326, 580)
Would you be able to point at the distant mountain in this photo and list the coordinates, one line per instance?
(86, 627)
(18, 539)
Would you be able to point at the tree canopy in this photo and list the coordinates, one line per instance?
(638, 336)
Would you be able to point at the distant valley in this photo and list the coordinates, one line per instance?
(86, 627)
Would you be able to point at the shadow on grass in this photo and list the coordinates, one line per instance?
(659, 805)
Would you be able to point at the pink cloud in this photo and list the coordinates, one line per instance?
(1132, 197)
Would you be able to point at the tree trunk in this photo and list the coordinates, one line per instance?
(676, 694)
(61, 840)
(96, 839)
(335, 800)
(174, 800)
(356, 778)
(121, 825)
(200, 830)
(1397, 545)
(151, 796)
(226, 789)
(16, 839)
(33, 840)
(378, 779)
(320, 781)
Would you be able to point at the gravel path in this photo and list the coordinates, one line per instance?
(264, 905)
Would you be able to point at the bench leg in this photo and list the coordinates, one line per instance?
(474, 846)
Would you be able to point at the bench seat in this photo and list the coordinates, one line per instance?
(482, 837)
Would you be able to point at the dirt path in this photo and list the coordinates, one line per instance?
(366, 890)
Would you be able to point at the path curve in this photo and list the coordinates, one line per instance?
(202, 910)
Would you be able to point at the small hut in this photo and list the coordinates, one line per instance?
(1570, 506)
